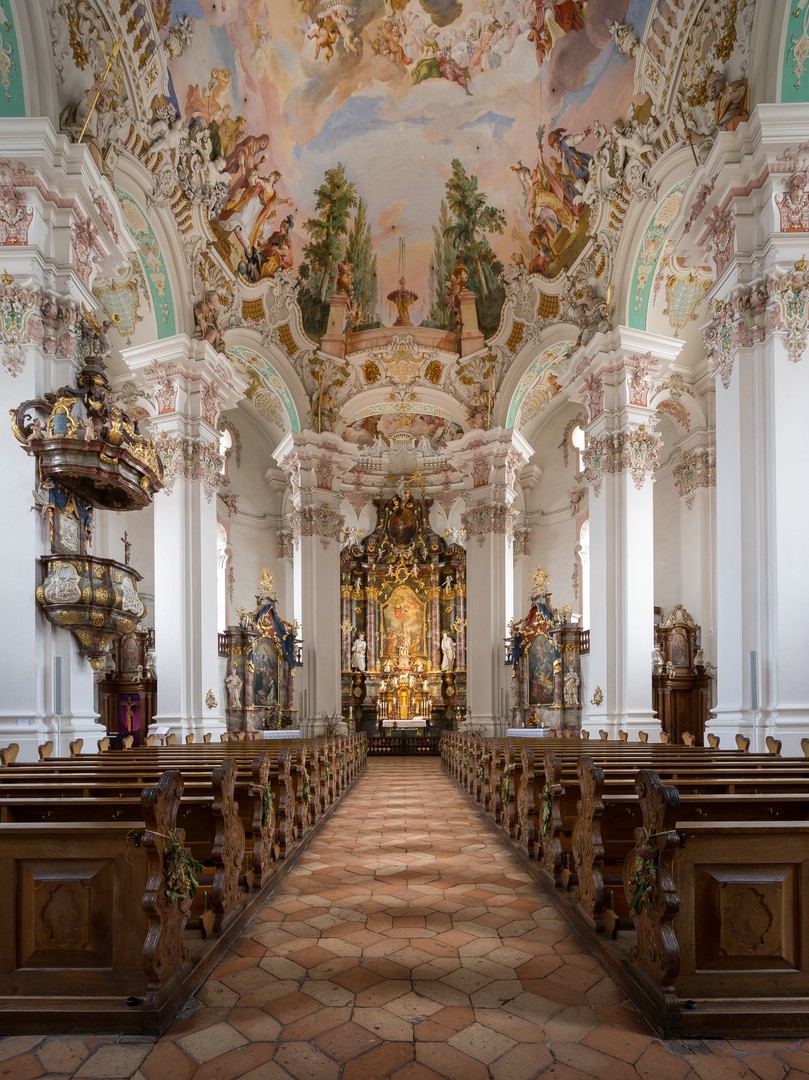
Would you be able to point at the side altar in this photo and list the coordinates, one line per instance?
(403, 609)
(262, 653)
(545, 654)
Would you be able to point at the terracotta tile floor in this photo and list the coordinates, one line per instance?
(407, 942)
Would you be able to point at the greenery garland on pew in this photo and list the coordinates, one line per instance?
(547, 810)
(643, 875)
(504, 786)
(266, 803)
(181, 870)
(307, 788)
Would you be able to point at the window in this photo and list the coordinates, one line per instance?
(225, 447)
(578, 438)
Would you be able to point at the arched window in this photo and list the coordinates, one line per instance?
(225, 446)
(578, 438)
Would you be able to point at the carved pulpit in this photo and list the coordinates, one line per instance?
(681, 686)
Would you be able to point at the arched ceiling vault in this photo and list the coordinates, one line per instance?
(405, 208)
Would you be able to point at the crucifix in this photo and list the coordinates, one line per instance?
(127, 547)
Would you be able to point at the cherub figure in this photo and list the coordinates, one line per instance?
(35, 434)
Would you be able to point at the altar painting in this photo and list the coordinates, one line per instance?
(265, 672)
(405, 624)
(541, 654)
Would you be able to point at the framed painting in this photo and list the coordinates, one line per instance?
(541, 654)
(265, 672)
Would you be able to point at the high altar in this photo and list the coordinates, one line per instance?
(403, 599)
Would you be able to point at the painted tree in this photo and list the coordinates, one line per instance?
(442, 264)
(359, 254)
(334, 200)
(468, 232)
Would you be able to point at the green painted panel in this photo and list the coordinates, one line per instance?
(153, 264)
(795, 68)
(555, 357)
(12, 95)
(272, 380)
(649, 254)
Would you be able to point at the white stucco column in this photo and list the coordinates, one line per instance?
(762, 523)
(491, 461)
(192, 385)
(695, 482)
(316, 464)
(613, 379)
(60, 229)
(752, 220)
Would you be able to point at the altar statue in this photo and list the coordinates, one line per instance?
(447, 653)
(234, 686)
(358, 650)
(571, 688)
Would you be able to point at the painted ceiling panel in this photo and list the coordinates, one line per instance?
(395, 92)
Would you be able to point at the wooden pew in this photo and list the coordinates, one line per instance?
(719, 915)
(563, 787)
(723, 795)
(113, 957)
(44, 796)
(99, 826)
(603, 833)
(8, 754)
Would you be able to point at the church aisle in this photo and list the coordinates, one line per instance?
(407, 942)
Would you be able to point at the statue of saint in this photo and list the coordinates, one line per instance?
(447, 653)
(571, 688)
(234, 686)
(358, 650)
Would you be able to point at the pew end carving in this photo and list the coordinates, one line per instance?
(228, 847)
(165, 957)
(8, 754)
(651, 892)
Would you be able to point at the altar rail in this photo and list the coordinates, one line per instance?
(684, 867)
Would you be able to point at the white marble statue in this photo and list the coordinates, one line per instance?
(234, 684)
(358, 650)
(447, 653)
(571, 688)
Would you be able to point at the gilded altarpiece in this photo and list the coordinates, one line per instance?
(545, 654)
(262, 655)
(403, 607)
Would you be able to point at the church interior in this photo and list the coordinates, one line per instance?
(404, 371)
(486, 391)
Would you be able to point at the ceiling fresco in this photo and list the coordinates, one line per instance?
(500, 95)
(340, 177)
